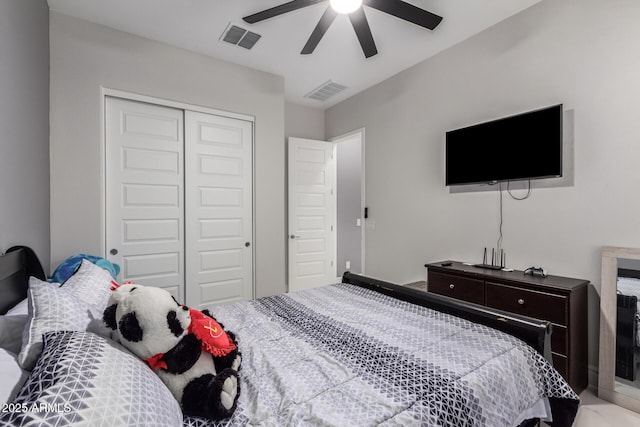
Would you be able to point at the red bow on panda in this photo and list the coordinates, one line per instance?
(214, 339)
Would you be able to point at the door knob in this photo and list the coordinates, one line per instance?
(113, 251)
(247, 244)
(293, 236)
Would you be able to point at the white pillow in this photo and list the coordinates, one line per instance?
(53, 308)
(90, 283)
(11, 327)
(19, 308)
(11, 376)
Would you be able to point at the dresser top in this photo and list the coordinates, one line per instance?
(457, 267)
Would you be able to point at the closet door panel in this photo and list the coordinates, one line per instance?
(144, 192)
(219, 209)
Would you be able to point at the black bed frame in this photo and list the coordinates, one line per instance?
(16, 265)
(534, 332)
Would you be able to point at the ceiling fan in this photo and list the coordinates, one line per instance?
(353, 8)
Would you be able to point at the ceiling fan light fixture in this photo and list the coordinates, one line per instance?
(398, 8)
(345, 6)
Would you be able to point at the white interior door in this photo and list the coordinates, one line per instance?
(312, 213)
(219, 200)
(144, 179)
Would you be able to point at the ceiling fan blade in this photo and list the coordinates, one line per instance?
(323, 25)
(279, 10)
(361, 26)
(406, 11)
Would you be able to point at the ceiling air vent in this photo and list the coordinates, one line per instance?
(325, 91)
(239, 36)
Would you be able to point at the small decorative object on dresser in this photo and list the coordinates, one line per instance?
(536, 271)
(559, 300)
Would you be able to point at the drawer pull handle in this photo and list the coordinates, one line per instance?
(451, 286)
(521, 301)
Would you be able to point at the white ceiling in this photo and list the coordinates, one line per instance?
(198, 25)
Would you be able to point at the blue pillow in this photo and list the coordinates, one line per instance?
(71, 264)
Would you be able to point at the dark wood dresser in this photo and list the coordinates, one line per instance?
(559, 300)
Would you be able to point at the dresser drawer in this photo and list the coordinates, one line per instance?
(462, 288)
(559, 339)
(560, 364)
(541, 305)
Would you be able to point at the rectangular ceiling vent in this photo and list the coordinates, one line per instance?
(325, 91)
(239, 36)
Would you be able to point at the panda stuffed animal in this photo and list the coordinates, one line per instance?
(193, 355)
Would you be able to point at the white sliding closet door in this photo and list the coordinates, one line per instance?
(179, 200)
(219, 199)
(145, 193)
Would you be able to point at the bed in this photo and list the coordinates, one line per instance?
(627, 323)
(360, 352)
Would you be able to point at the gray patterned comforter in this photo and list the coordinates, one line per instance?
(346, 356)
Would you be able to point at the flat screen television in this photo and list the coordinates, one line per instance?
(520, 147)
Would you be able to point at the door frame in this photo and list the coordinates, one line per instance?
(116, 93)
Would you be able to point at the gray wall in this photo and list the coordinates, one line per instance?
(86, 57)
(24, 126)
(303, 122)
(583, 53)
(349, 209)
